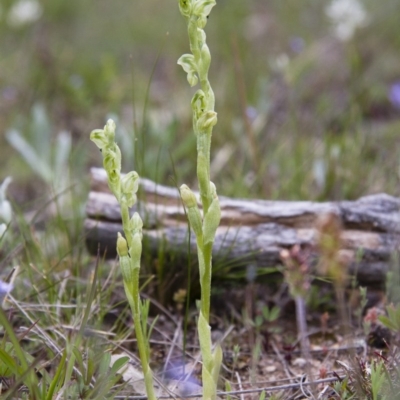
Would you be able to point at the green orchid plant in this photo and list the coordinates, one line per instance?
(129, 250)
(204, 224)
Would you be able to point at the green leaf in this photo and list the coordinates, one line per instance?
(79, 360)
(58, 378)
(10, 363)
(205, 342)
(89, 370)
(209, 387)
(388, 322)
(62, 154)
(104, 364)
(228, 388)
(118, 364)
(30, 155)
(218, 355)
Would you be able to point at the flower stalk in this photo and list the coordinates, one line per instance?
(204, 224)
(129, 249)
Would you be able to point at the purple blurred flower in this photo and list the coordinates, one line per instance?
(394, 94)
(5, 288)
(251, 113)
(297, 44)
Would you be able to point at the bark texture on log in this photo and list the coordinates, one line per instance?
(254, 231)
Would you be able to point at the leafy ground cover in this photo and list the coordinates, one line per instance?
(307, 110)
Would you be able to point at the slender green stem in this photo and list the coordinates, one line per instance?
(204, 226)
(206, 286)
(132, 292)
(142, 346)
(129, 249)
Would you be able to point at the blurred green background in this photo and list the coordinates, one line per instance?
(307, 95)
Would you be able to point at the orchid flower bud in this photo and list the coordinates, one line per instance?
(122, 246)
(188, 197)
(114, 183)
(199, 103)
(109, 130)
(136, 224)
(129, 186)
(193, 212)
(124, 260)
(185, 7)
(99, 138)
(206, 121)
(135, 251)
(110, 161)
(212, 220)
(202, 9)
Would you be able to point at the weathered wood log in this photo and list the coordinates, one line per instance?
(254, 231)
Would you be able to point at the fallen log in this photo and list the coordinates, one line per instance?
(253, 231)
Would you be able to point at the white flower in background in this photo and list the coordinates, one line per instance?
(281, 62)
(5, 206)
(24, 12)
(346, 16)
